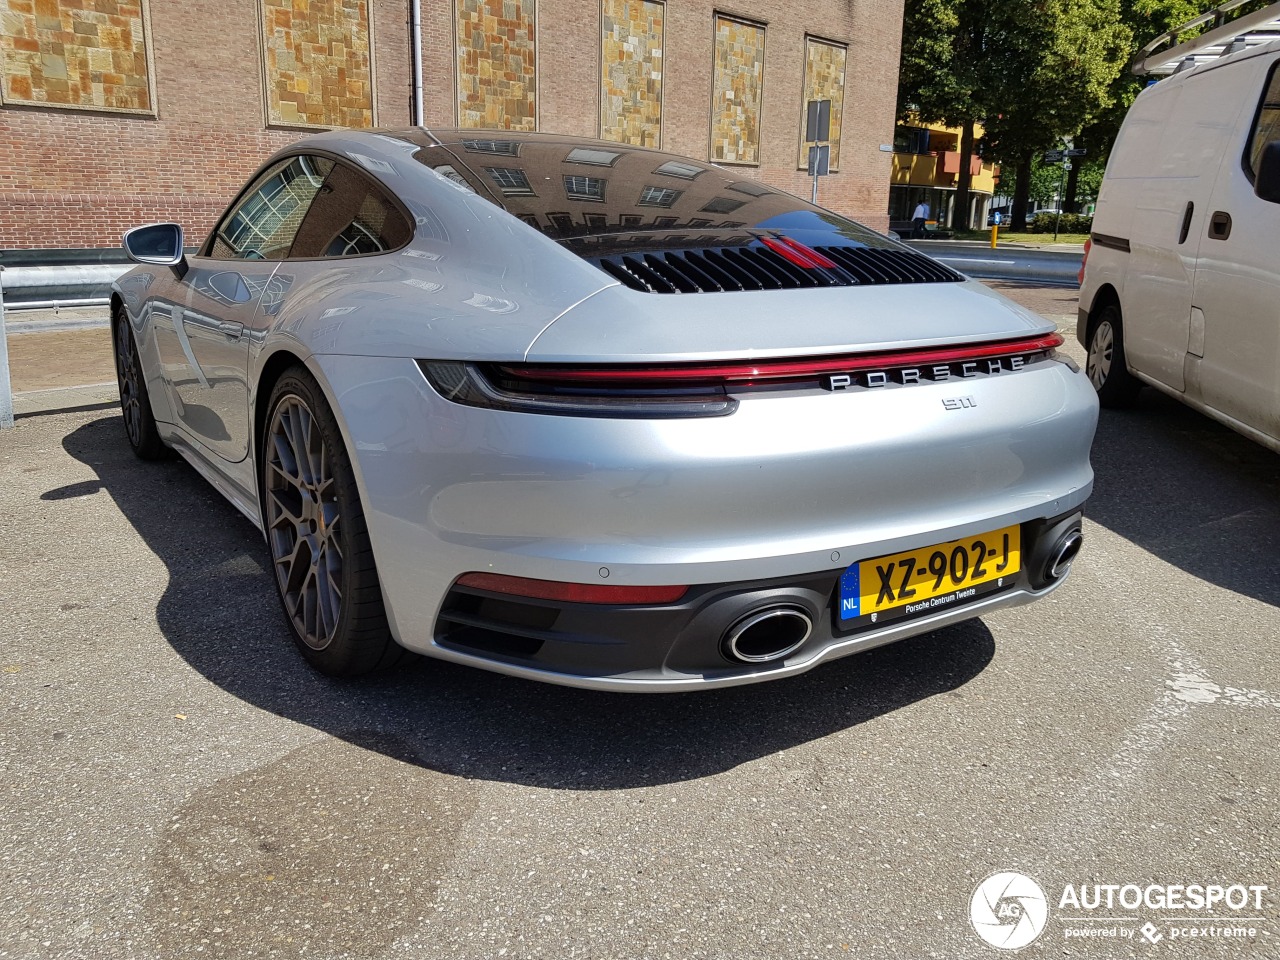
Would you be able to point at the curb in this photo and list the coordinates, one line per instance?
(91, 396)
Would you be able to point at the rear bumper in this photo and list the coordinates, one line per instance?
(682, 646)
(783, 494)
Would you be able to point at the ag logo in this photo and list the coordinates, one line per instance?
(1008, 910)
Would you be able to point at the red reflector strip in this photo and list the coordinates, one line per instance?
(797, 253)
(570, 592)
(812, 254)
(738, 371)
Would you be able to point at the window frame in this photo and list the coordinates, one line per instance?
(206, 248)
(1246, 157)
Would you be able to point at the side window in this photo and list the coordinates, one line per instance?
(264, 221)
(350, 217)
(1267, 125)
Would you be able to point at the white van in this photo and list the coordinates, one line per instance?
(1181, 284)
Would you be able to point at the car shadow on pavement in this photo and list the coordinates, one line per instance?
(1191, 492)
(220, 613)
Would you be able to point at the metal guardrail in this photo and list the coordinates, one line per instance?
(67, 285)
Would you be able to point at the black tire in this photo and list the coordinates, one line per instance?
(135, 401)
(317, 538)
(1105, 365)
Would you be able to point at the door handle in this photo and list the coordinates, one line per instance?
(230, 328)
(1220, 225)
(1186, 222)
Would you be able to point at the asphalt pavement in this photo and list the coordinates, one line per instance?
(177, 783)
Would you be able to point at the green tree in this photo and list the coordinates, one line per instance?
(1146, 19)
(1030, 73)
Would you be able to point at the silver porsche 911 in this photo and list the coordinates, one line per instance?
(598, 415)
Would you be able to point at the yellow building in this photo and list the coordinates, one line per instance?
(926, 167)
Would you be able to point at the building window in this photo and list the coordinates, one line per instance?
(910, 139)
(659, 196)
(76, 54)
(737, 91)
(631, 41)
(317, 63)
(721, 205)
(685, 171)
(506, 148)
(497, 79)
(511, 181)
(823, 80)
(584, 188)
(598, 158)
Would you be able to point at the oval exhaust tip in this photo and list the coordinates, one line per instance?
(1060, 562)
(768, 634)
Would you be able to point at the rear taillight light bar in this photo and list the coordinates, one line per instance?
(677, 390)
(571, 592)
(740, 372)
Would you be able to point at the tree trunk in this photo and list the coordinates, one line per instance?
(1021, 192)
(960, 217)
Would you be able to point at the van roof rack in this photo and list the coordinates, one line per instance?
(1232, 27)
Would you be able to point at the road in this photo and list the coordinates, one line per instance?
(178, 784)
(1056, 265)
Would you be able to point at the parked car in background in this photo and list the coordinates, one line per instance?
(599, 415)
(1181, 284)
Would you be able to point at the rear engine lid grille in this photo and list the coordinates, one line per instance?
(774, 266)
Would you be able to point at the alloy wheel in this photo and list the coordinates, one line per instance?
(129, 375)
(304, 522)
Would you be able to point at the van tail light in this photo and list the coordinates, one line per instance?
(1088, 244)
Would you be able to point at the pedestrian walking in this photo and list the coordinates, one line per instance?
(919, 219)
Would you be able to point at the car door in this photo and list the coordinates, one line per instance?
(1237, 283)
(204, 342)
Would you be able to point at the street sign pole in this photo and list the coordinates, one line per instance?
(6, 392)
(1057, 220)
(817, 130)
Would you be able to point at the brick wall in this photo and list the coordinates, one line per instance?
(80, 178)
(74, 177)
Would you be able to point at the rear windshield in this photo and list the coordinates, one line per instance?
(600, 195)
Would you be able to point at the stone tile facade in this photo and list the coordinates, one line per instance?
(631, 38)
(496, 78)
(824, 80)
(80, 174)
(737, 91)
(75, 53)
(318, 63)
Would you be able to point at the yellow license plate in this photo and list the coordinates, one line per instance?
(931, 578)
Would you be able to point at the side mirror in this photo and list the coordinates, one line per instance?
(156, 243)
(1266, 182)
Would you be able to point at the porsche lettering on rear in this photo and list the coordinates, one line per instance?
(933, 373)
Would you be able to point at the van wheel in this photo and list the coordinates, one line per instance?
(1106, 366)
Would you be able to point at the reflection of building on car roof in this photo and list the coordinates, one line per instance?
(566, 189)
